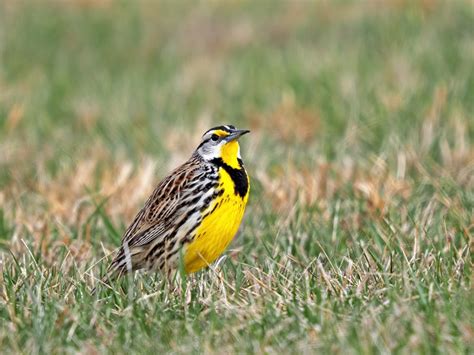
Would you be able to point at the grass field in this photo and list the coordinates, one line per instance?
(359, 229)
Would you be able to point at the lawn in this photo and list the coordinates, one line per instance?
(359, 229)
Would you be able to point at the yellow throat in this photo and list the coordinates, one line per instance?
(230, 154)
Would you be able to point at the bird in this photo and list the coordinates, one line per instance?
(193, 213)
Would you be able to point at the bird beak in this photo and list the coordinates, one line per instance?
(236, 134)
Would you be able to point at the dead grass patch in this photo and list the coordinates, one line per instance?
(289, 123)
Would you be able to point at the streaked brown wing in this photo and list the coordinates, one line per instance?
(161, 209)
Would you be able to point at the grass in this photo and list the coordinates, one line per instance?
(358, 233)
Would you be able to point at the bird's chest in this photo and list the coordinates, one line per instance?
(220, 224)
(226, 212)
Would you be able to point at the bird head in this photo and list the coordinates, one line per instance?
(222, 142)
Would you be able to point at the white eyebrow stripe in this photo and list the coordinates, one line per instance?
(226, 128)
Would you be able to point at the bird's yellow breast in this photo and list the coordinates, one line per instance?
(218, 228)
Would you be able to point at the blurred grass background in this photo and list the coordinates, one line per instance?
(359, 227)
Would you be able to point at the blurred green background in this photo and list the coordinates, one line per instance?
(123, 74)
(359, 225)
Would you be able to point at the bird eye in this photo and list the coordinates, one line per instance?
(215, 137)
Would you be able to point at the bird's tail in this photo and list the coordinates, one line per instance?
(106, 280)
(119, 266)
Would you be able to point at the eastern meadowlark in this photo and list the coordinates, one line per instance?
(194, 212)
